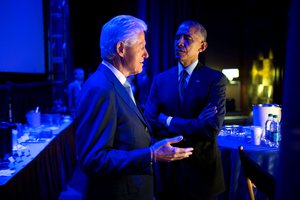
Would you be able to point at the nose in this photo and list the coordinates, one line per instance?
(146, 54)
(180, 41)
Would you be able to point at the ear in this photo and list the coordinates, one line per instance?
(120, 48)
(203, 46)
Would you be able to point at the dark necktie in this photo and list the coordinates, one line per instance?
(129, 90)
(182, 84)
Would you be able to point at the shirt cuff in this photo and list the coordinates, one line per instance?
(153, 158)
(168, 121)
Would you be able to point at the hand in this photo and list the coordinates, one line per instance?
(208, 112)
(164, 151)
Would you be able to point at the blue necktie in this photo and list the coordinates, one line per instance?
(182, 84)
(129, 90)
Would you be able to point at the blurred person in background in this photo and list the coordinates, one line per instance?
(74, 88)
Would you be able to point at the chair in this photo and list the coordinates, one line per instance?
(256, 176)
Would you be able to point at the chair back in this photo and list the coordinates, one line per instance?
(255, 174)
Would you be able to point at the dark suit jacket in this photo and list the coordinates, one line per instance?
(201, 175)
(112, 141)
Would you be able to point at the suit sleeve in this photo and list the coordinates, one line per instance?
(209, 129)
(152, 110)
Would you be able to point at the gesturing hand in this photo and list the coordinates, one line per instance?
(164, 151)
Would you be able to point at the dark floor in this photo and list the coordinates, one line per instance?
(75, 186)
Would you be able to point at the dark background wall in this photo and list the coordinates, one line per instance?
(238, 32)
(86, 20)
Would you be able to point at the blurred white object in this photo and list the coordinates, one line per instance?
(231, 73)
(14, 139)
(256, 134)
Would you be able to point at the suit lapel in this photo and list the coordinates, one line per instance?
(123, 93)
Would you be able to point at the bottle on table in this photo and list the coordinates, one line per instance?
(275, 131)
(266, 134)
(14, 133)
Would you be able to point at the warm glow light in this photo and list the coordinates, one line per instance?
(260, 89)
(231, 73)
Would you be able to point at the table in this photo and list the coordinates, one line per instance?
(45, 172)
(264, 155)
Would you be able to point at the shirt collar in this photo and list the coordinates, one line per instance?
(116, 72)
(189, 68)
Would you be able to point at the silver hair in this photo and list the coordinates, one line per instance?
(120, 28)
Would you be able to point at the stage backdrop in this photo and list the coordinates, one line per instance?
(22, 47)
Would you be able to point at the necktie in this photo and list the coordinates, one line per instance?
(182, 84)
(129, 90)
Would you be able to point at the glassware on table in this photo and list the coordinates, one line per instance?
(232, 130)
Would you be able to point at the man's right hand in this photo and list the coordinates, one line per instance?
(164, 151)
